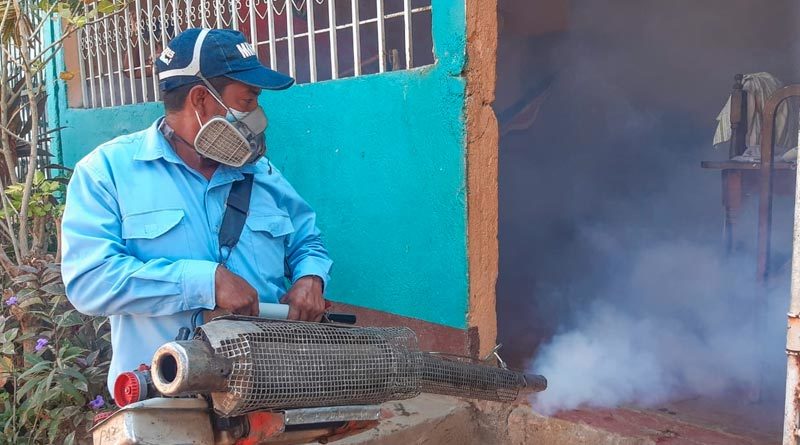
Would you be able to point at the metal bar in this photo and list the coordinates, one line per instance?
(154, 55)
(791, 421)
(163, 27)
(312, 44)
(140, 41)
(290, 36)
(151, 39)
(234, 16)
(120, 69)
(175, 19)
(109, 74)
(332, 37)
(408, 36)
(356, 39)
(189, 7)
(381, 36)
(252, 17)
(82, 55)
(98, 57)
(129, 54)
(273, 50)
(203, 11)
(218, 12)
(304, 416)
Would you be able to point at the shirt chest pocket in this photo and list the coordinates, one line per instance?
(267, 236)
(156, 234)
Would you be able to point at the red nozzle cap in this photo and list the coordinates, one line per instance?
(127, 389)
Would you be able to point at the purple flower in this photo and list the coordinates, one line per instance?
(97, 403)
(41, 343)
(12, 301)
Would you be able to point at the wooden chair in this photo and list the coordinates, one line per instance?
(763, 178)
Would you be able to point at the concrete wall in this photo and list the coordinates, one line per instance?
(382, 159)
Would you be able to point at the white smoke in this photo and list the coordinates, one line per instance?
(677, 320)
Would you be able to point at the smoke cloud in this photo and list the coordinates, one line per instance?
(676, 320)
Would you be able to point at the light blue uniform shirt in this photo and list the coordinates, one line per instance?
(140, 240)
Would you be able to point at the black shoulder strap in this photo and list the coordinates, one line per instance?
(236, 209)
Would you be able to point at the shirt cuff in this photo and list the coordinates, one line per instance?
(198, 284)
(313, 266)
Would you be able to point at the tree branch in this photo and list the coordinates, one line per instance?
(5, 17)
(12, 134)
(28, 74)
(7, 264)
(8, 156)
(46, 16)
(6, 208)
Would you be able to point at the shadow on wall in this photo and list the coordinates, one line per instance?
(603, 172)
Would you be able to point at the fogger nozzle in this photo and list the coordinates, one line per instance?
(535, 382)
(189, 367)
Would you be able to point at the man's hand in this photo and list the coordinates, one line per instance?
(305, 299)
(234, 294)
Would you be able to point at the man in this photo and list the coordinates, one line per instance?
(143, 211)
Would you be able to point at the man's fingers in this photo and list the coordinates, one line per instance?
(293, 313)
(254, 307)
(316, 314)
(313, 312)
(303, 314)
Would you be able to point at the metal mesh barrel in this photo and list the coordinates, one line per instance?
(254, 364)
(454, 376)
(290, 365)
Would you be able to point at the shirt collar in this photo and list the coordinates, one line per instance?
(156, 146)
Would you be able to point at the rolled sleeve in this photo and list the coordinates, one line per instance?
(198, 280)
(313, 266)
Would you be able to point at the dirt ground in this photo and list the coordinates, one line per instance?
(438, 420)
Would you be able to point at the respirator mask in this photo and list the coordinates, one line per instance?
(234, 139)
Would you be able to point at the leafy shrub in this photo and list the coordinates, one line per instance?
(53, 361)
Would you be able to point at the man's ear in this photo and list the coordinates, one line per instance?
(197, 100)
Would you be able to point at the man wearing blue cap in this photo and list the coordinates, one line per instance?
(143, 214)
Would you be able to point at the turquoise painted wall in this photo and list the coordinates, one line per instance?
(382, 160)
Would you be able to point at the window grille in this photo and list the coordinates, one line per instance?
(19, 119)
(311, 40)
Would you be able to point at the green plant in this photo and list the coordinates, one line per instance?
(44, 211)
(53, 361)
(27, 49)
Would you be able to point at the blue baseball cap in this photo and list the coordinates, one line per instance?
(207, 53)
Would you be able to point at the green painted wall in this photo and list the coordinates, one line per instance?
(382, 160)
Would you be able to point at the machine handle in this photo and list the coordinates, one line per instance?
(277, 311)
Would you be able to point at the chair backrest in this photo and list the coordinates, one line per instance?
(738, 143)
